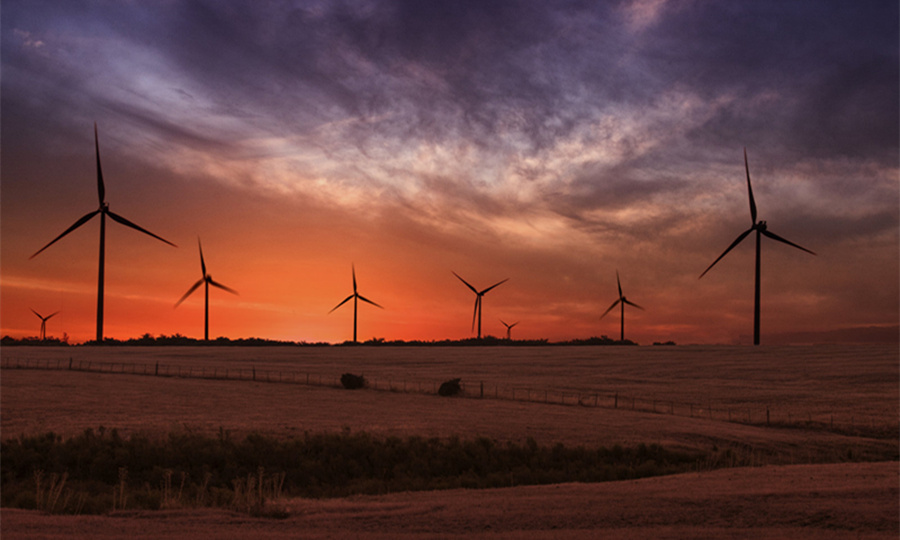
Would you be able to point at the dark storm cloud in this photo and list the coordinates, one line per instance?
(478, 67)
(817, 78)
(803, 80)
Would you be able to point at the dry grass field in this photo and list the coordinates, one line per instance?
(801, 487)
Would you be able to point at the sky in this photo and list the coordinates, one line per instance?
(551, 143)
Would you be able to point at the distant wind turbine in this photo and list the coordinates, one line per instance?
(761, 230)
(206, 280)
(103, 211)
(478, 296)
(509, 328)
(356, 297)
(43, 323)
(622, 300)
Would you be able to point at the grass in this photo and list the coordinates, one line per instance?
(100, 471)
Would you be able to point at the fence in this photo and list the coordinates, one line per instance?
(755, 415)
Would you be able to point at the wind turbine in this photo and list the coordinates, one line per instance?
(356, 297)
(761, 230)
(478, 295)
(43, 323)
(622, 300)
(103, 211)
(509, 328)
(207, 280)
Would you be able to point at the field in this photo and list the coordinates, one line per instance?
(828, 408)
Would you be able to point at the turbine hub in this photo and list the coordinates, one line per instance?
(761, 226)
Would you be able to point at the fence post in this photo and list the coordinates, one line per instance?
(482, 389)
(70, 363)
(254, 373)
(616, 404)
(767, 416)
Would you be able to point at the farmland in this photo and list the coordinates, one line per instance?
(826, 403)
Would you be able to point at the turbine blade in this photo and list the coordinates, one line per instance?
(494, 285)
(614, 304)
(77, 224)
(513, 324)
(619, 283)
(474, 290)
(475, 313)
(127, 223)
(504, 323)
(750, 190)
(353, 269)
(36, 313)
(202, 262)
(52, 314)
(630, 303)
(101, 189)
(223, 287)
(342, 303)
(192, 289)
(364, 299)
(736, 242)
(774, 236)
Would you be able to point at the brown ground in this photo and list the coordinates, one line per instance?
(843, 500)
(846, 501)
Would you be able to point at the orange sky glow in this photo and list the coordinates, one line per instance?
(424, 153)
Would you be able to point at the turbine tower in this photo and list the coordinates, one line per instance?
(103, 211)
(356, 297)
(761, 230)
(207, 280)
(478, 296)
(43, 323)
(622, 300)
(509, 328)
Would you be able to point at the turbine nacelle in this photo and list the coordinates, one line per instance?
(761, 230)
(103, 211)
(476, 314)
(207, 280)
(355, 297)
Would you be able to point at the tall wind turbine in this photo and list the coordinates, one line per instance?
(622, 300)
(356, 297)
(43, 323)
(761, 230)
(509, 328)
(207, 280)
(478, 295)
(103, 211)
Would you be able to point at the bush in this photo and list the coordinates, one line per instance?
(450, 388)
(99, 472)
(353, 382)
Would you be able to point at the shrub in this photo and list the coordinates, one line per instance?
(98, 472)
(353, 382)
(450, 388)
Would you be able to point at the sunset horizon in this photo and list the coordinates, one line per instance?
(551, 145)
